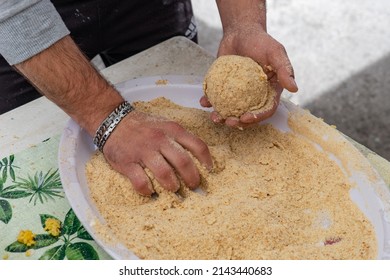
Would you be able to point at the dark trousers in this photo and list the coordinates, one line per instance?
(114, 29)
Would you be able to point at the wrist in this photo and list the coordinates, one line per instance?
(110, 123)
(99, 109)
(242, 14)
(92, 103)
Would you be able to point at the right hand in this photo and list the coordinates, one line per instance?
(267, 52)
(144, 141)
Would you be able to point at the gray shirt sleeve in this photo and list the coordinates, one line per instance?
(28, 27)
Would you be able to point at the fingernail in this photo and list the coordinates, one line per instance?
(209, 166)
(150, 187)
(292, 80)
(217, 119)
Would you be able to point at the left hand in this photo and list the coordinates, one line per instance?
(257, 44)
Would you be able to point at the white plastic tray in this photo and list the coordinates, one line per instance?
(76, 147)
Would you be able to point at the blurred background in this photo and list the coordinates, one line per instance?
(340, 51)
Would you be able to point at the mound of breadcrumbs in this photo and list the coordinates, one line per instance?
(271, 195)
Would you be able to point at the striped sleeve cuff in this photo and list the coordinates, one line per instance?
(30, 31)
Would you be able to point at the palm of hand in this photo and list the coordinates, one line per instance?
(271, 55)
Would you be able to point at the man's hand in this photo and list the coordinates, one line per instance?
(144, 141)
(244, 28)
(66, 77)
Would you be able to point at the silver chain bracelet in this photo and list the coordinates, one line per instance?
(110, 123)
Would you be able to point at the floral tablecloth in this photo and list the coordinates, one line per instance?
(36, 220)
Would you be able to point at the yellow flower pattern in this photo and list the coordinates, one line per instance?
(26, 237)
(53, 226)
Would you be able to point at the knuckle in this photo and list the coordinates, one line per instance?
(164, 172)
(157, 135)
(185, 162)
(176, 127)
(280, 48)
(141, 185)
(201, 147)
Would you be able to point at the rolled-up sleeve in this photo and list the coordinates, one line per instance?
(28, 27)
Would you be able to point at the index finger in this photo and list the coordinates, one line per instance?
(197, 147)
(281, 64)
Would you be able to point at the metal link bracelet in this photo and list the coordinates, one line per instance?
(110, 123)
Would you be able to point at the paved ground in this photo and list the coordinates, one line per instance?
(341, 55)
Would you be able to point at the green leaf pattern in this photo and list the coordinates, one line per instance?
(81, 251)
(7, 167)
(5, 211)
(40, 188)
(71, 223)
(55, 253)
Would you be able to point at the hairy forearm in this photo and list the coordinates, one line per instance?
(243, 12)
(67, 78)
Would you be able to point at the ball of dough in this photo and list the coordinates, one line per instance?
(235, 85)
